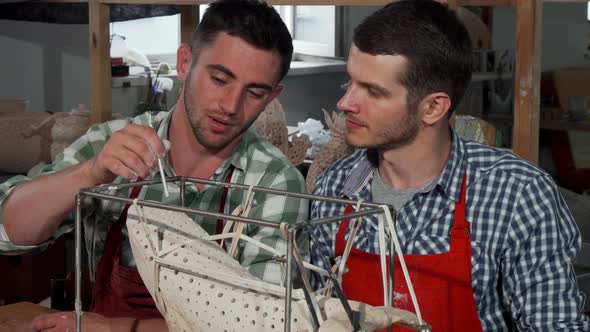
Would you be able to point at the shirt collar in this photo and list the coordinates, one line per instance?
(239, 157)
(452, 174)
(358, 181)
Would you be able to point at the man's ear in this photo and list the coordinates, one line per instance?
(434, 107)
(276, 92)
(184, 58)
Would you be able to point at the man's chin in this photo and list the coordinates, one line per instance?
(356, 142)
(213, 141)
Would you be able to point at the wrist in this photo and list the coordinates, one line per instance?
(123, 324)
(87, 172)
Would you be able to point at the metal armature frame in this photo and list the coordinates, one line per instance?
(98, 192)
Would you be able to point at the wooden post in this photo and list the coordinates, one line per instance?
(189, 17)
(525, 137)
(100, 62)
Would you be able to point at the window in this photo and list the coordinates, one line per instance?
(155, 37)
(303, 23)
(158, 37)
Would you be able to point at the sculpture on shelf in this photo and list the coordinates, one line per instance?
(62, 128)
(331, 151)
(272, 125)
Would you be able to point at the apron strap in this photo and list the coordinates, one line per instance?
(460, 232)
(340, 243)
(111, 249)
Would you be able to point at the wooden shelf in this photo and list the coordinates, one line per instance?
(307, 2)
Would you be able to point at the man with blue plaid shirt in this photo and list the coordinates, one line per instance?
(487, 238)
(231, 72)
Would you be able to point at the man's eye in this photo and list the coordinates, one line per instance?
(217, 80)
(345, 86)
(255, 94)
(374, 92)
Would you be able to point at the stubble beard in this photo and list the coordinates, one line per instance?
(199, 129)
(200, 132)
(402, 134)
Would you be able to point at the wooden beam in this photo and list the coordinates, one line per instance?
(527, 75)
(311, 2)
(485, 3)
(100, 63)
(189, 17)
(274, 2)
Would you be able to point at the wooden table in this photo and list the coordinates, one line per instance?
(18, 317)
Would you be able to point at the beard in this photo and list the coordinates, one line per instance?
(203, 135)
(197, 119)
(401, 134)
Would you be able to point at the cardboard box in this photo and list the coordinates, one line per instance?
(571, 82)
(10, 106)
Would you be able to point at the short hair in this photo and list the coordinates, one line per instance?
(254, 21)
(430, 37)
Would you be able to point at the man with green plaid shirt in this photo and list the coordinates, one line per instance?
(231, 72)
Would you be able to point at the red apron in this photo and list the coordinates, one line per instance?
(442, 282)
(119, 291)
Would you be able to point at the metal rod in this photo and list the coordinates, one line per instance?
(98, 192)
(328, 220)
(283, 192)
(78, 245)
(182, 193)
(117, 186)
(234, 185)
(289, 288)
(163, 206)
(391, 275)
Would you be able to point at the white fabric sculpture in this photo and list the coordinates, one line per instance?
(198, 286)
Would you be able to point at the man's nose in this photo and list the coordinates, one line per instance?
(232, 100)
(348, 102)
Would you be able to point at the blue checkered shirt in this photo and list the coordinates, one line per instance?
(523, 237)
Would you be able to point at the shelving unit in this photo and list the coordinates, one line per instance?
(526, 73)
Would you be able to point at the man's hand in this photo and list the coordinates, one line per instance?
(131, 153)
(66, 322)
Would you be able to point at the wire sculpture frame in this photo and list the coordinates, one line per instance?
(98, 192)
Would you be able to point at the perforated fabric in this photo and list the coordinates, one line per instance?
(197, 286)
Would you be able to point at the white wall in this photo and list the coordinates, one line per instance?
(565, 33)
(45, 63)
(48, 64)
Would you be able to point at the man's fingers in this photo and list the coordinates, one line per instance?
(120, 169)
(142, 149)
(130, 153)
(44, 322)
(150, 136)
(135, 162)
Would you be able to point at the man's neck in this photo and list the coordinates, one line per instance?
(413, 165)
(187, 156)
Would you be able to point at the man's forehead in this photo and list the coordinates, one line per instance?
(241, 59)
(372, 66)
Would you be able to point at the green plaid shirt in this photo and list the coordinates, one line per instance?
(254, 162)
